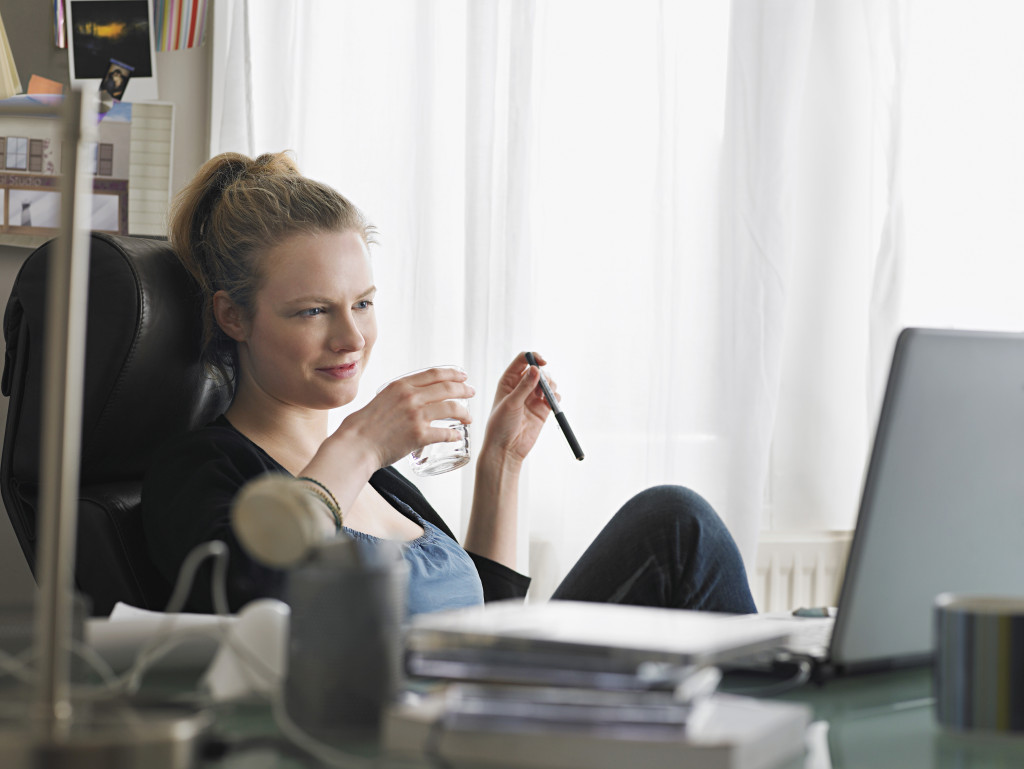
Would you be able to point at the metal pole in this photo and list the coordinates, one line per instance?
(63, 379)
(106, 733)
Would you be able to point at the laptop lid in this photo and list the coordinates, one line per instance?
(942, 507)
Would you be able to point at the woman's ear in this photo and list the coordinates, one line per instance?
(229, 316)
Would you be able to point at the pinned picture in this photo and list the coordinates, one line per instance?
(112, 36)
(116, 79)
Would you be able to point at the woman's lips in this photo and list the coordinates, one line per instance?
(347, 371)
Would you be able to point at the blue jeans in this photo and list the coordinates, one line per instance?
(665, 547)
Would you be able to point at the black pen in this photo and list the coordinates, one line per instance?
(559, 416)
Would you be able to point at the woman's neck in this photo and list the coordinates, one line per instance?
(290, 435)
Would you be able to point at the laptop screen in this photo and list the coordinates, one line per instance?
(943, 501)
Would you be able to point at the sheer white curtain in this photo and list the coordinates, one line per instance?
(964, 140)
(633, 189)
(844, 231)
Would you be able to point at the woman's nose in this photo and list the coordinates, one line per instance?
(346, 335)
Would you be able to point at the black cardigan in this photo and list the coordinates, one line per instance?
(186, 500)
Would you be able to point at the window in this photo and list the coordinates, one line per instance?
(35, 155)
(17, 153)
(105, 160)
(3, 152)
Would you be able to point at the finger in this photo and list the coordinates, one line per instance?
(447, 410)
(529, 381)
(425, 392)
(449, 434)
(540, 397)
(442, 391)
(430, 376)
(511, 376)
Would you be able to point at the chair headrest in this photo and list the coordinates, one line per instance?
(144, 381)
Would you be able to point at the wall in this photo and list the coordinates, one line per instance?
(184, 80)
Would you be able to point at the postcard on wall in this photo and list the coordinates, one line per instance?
(109, 38)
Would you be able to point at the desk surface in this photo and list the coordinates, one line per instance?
(875, 720)
(888, 720)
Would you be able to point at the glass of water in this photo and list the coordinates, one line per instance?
(441, 457)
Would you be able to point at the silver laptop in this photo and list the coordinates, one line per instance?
(942, 507)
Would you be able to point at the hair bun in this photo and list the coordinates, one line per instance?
(276, 163)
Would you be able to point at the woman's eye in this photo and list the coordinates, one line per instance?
(310, 312)
(366, 304)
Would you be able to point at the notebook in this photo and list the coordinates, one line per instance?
(942, 507)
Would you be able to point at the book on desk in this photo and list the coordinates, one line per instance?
(720, 732)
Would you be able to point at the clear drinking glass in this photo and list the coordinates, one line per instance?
(441, 457)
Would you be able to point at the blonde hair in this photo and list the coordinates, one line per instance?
(233, 211)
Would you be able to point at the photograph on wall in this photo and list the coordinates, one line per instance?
(113, 35)
(116, 79)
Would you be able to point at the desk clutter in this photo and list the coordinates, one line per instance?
(566, 684)
(554, 684)
(558, 684)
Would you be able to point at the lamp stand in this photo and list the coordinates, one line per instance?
(53, 730)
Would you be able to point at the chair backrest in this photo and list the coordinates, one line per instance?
(144, 383)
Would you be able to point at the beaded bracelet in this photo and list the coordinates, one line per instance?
(324, 494)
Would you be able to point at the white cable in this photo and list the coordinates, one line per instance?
(187, 574)
(93, 658)
(163, 640)
(17, 665)
(160, 647)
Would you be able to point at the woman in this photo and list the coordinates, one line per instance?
(284, 268)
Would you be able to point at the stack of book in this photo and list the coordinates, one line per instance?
(569, 685)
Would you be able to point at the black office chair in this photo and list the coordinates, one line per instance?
(143, 383)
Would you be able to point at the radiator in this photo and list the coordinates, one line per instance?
(797, 569)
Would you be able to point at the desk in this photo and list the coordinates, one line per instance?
(872, 721)
(887, 720)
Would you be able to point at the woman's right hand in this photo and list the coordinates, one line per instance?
(398, 419)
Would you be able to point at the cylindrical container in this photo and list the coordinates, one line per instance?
(345, 643)
(979, 662)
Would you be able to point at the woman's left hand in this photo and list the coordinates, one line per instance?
(518, 413)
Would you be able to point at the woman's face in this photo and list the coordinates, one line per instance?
(313, 324)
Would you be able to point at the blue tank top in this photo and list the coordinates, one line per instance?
(441, 573)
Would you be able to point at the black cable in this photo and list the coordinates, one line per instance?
(804, 669)
(217, 748)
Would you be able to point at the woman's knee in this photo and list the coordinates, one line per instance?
(675, 504)
(677, 509)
